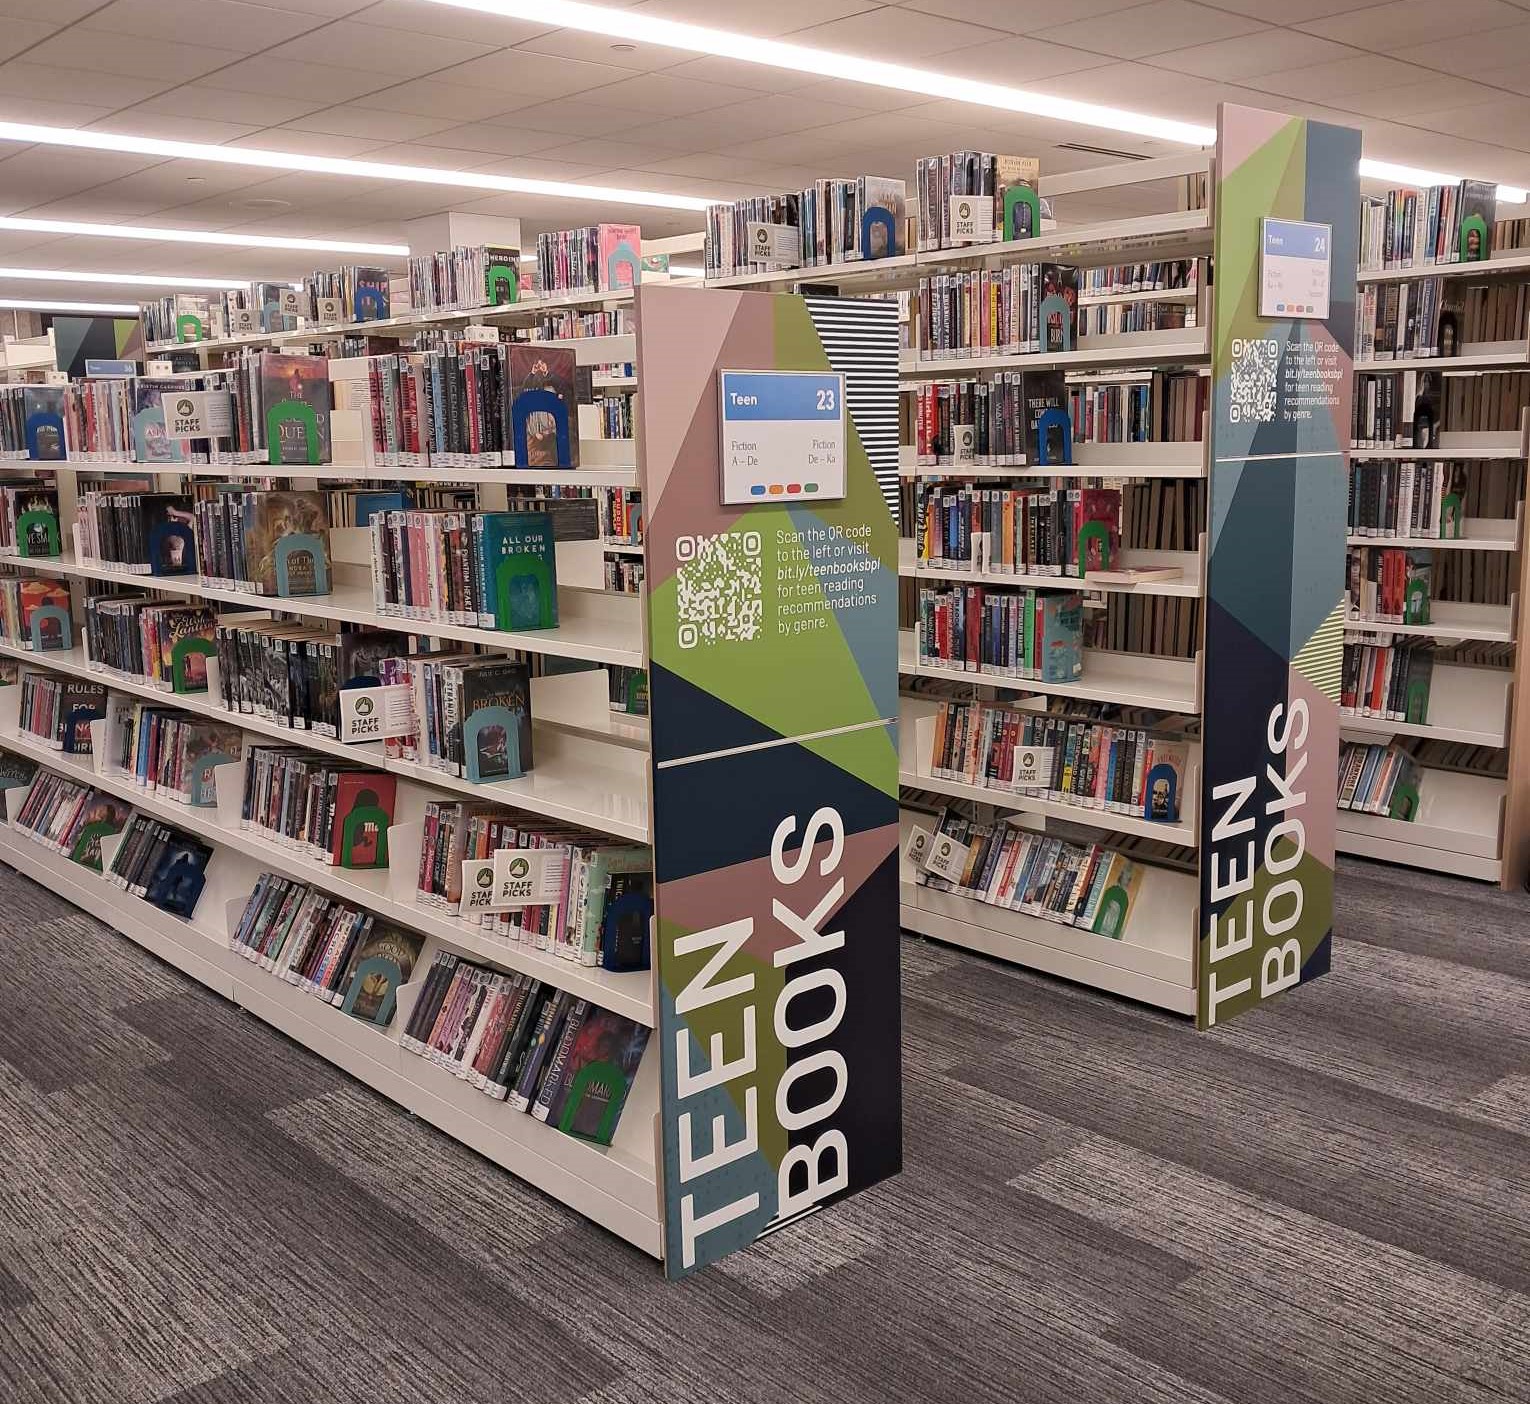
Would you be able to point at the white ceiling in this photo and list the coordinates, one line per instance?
(1434, 84)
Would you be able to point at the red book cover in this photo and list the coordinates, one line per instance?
(363, 813)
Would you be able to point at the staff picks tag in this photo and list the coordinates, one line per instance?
(947, 858)
(971, 218)
(528, 878)
(372, 713)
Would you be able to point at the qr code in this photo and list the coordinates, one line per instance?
(1255, 365)
(719, 597)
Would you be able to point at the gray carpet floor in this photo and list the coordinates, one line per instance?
(1326, 1201)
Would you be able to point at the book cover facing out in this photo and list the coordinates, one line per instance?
(519, 564)
(363, 813)
(496, 720)
(384, 960)
(543, 406)
(295, 396)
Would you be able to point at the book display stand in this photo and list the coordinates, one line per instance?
(770, 1084)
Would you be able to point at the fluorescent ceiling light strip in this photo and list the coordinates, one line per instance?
(263, 159)
(158, 280)
(215, 237)
(42, 304)
(799, 58)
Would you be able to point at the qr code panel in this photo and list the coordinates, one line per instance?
(1255, 366)
(719, 597)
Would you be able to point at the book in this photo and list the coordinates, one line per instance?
(518, 564)
(382, 962)
(102, 815)
(495, 705)
(1048, 431)
(620, 251)
(1060, 281)
(43, 407)
(1479, 210)
(179, 876)
(625, 911)
(1134, 575)
(269, 518)
(295, 398)
(597, 1076)
(151, 442)
(362, 810)
(542, 408)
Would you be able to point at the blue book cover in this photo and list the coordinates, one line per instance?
(518, 564)
(369, 504)
(1061, 646)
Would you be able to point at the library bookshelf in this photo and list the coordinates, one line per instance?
(1155, 958)
(1473, 810)
(595, 769)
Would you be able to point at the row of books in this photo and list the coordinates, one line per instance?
(363, 294)
(1405, 499)
(168, 753)
(337, 952)
(335, 812)
(628, 689)
(621, 515)
(1007, 204)
(623, 576)
(31, 419)
(34, 612)
(602, 914)
(1033, 634)
(1378, 779)
(995, 422)
(159, 643)
(464, 277)
(1410, 319)
(1496, 311)
(1120, 318)
(1171, 275)
(1020, 531)
(1169, 406)
(489, 570)
(564, 1060)
(1019, 309)
(828, 222)
(1398, 409)
(67, 815)
(1415, 227)
(614, 413)
(472, 714)
(1391, 681)
(1389, 584)
(58, 710)
(268, 543)
(1095, 765)
(1086, 885)
(473, 406)
(356, 505)
(596, 258)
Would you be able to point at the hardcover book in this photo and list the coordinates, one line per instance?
(82, 703)
(518, 562)
(1057, 324)
(884, 228)
(1479, 209)
(1016, 213)
(102, 815)
(1048, 429)
(383, 960)
(363, 813)
(626, 913)
(179, 876)
(33, 511)
(43, 412)
(371, 296)
(295, 398)
(620, 249)
(496, 719)
(167, 531)
(597, 1076)
(151, 442)
(502, 275)
(271, 516)
(543, 406)
(37, 596)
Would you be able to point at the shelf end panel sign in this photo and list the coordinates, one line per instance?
(772, 631)
(1287, 236)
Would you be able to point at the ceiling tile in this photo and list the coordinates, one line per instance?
(863, 97)
(54, 12)
(769, 21)
(421, 17)
(24, 78)
(517, 74)
(1151, 29)
(1248, 55)
(194, 100)
(308, 143)
(52, 114)
(1012, 61)
(232, 23)
(296, 78)
(17, 35)
(1404, 23)
(349, 120)
(1468, 55)
(431, 97)
(1406, 104)
(482, 138)
(892, 33)
(1016, 16)
(611, 151)
(663, 96)
(137, 122)
(383, 50)
(738, 74)
(1515, 77)
(602, 48)
(573, 116)
(1330, 81)
(751, 120)
(1505, 120)
(102, 52)
(1291, 11)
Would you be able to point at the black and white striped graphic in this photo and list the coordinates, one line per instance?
(860, 338)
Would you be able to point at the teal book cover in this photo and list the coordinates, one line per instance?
(519, 570)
